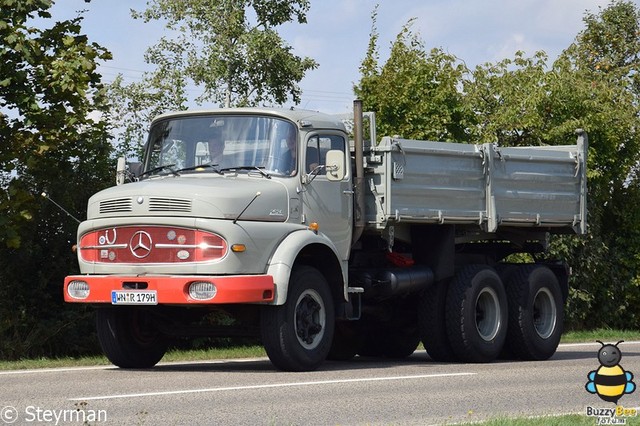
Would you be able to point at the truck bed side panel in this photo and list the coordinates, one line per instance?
(437, 182)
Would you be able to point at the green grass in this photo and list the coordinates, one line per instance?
(209, 354)
(565, 420)
(605, 335)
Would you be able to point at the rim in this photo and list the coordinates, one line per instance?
(310, 319)
(544, 313)
(487, 314)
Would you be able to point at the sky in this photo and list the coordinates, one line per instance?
(337, 34)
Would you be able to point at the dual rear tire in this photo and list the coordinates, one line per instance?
(536, 313)
(480, 314)
(476, 314)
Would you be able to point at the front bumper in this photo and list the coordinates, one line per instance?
(174, 290)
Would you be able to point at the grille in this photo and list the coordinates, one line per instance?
(169, 205)
(117, 205)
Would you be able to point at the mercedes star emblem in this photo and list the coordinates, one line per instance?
(140, 244)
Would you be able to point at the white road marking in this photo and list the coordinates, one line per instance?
(113, 367)
(54, 370)
(274, 385)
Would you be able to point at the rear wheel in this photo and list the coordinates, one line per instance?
(297, 336)
(431, 322)
(476, 315)
(129, 337)
(536, 313)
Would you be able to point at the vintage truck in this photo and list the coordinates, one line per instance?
(272, 223)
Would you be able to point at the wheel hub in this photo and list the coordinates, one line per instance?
(308, 319)
(487, 314)
(544, 313)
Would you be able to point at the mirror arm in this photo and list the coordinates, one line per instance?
(309, 177)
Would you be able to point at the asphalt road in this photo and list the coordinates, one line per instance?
(362, 391)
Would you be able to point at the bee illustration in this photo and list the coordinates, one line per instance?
(610, 381)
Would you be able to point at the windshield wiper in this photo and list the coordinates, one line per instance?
(168, 167)
(262, 172)
(213, 167)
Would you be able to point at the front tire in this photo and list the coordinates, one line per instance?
(297, 336)
(477, 314)
(129, 337)
(536, 313)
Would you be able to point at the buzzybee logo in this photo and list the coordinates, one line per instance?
(610, 381)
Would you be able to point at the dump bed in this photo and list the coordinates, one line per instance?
(491, 186)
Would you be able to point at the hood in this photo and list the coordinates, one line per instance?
(214, 197)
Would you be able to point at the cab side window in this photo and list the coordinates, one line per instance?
(317, 148)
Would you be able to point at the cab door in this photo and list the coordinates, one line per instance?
(330, 204)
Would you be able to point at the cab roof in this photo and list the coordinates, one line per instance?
(303, 118)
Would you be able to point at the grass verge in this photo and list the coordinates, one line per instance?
(606, 335)
(565, 420)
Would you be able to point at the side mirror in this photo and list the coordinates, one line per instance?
(127, 171)
(335, 165)
(135, 169)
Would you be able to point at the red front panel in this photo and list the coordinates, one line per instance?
(151, 244)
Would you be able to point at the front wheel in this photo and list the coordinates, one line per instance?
(129, 337)
(297, 336)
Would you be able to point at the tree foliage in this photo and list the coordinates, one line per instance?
(414, 93)
(49, 88)
(529, 101)
(236, 59)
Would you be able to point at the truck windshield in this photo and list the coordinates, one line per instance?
(222, 142)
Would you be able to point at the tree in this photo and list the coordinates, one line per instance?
(607, 55)
(414, 93)
(49, 89)
(237, 61)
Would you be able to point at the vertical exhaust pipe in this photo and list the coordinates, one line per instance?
(358, 140)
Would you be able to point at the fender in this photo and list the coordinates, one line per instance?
(284, 257)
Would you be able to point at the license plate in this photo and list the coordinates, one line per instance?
(119, 297)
